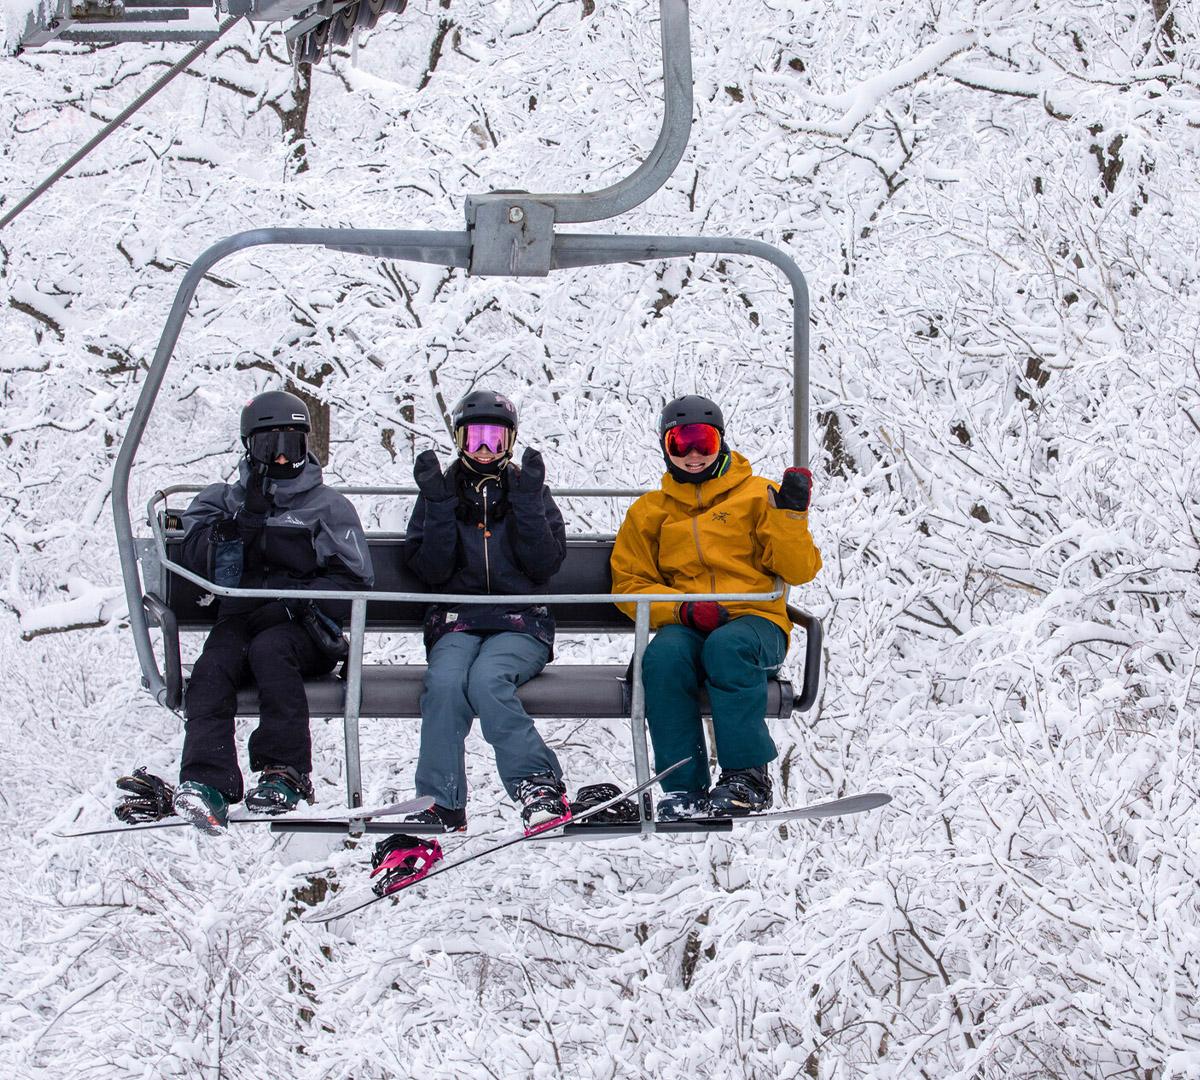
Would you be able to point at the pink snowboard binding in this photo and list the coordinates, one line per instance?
(544, 803)
(403, 860)
(542, 826)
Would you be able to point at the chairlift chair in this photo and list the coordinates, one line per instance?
(112, 22)
(507, 234)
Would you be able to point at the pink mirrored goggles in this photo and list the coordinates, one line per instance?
(495, 438)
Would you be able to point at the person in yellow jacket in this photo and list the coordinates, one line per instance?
(713, 527)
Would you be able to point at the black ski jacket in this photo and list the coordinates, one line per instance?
(489, 540)
(311, 539)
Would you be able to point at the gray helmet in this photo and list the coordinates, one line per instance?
(690, 409)
(484, 407)
(274, 409)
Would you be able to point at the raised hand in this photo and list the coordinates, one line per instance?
(258, 497)
(432, 482)
(532, 476)
(795, 492)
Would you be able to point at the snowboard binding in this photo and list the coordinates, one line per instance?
(148, 798)
(402, 860)
(591, 795)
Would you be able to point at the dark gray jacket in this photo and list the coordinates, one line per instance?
(311, 539)
(488, 540)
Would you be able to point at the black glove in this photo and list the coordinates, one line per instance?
(532, 477)
(796, 490)
(258, 502)
(432, 482)
(150, 798)
(326, 634)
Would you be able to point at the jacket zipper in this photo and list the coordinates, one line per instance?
(712, 578)
(487, 566)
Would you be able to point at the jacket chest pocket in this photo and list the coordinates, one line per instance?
(469, 575)
(681, 549)
(290, 547)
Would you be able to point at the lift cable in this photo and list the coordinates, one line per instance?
(194, 53)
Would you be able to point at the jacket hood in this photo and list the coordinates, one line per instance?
(706, 492)
(284, 492)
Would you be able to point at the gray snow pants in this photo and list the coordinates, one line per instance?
(473, 675)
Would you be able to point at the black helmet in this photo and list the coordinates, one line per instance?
(483, 407)
(690, 409)
(274, 409)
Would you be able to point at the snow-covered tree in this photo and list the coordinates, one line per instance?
(996, 205)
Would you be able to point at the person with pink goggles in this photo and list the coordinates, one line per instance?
(485, 526)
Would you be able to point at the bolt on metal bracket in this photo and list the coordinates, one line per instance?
(512, 235)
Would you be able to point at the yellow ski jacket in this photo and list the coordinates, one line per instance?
(723, 535)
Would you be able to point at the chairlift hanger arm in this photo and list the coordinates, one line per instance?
(651, 174)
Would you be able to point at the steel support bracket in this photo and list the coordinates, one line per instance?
(512, 234)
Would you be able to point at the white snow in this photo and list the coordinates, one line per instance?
(1006, 407)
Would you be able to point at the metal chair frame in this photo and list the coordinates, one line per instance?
(507, 234)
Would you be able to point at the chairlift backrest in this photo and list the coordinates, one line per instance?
(585, 570)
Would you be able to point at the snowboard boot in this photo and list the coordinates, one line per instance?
(402, 860)
(204, 806)
(684, 806)
(279, 790)
(741, 791)
(442, 818)
(592, 795)
(543, 802)
(149, 798)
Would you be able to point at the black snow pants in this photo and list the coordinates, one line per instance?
(278, 654)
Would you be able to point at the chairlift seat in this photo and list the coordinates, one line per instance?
(583, 691)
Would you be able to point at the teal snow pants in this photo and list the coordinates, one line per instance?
(732, 664)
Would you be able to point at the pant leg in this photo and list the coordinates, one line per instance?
(446, 717)
(505, 661)
(280, 657)
(209, 747)
(672, 676)
(738, 657)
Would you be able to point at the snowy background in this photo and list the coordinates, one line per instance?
(997, 204)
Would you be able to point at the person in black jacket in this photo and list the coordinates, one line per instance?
(485, 527)
(278, 528)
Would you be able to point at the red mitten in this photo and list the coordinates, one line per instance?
(703, 615)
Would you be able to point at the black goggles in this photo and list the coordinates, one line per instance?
(267, 447)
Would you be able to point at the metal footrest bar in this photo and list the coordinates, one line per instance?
(634, 828)
(333, 826)
(117, 37)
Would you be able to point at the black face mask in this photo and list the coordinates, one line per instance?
(717, 468)
(264, 447)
